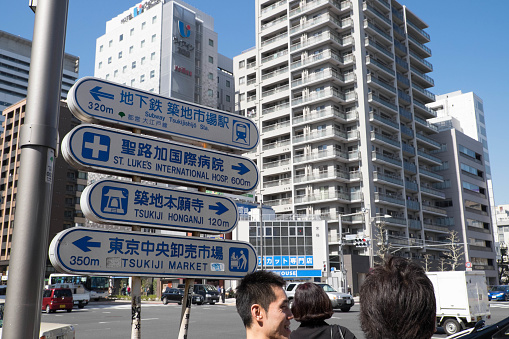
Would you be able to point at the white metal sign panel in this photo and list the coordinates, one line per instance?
(99, 252)
(113, 151)
(99, 101)
(120, 202)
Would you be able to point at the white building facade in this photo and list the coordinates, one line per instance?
(167, 47)
(339, 92)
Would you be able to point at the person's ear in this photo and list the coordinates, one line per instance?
(256, 312)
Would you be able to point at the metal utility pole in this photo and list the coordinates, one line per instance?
(38, 142)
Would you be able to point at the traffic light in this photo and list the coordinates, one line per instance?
(361, 242)
(325, 267)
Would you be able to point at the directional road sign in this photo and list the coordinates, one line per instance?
(108, 150)
(120, 202)
(99, 101)
(99, 252)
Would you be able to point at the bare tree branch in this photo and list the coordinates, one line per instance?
(455, 252)
(427, 261)
(381, 240)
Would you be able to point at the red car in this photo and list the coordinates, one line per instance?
(54, 299)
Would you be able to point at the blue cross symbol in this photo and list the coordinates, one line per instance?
(95, 146)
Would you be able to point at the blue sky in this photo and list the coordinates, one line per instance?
(468, 41)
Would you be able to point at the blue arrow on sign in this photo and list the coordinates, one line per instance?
(96, 93)
(220, 208)
(241, 168)
(84, 243)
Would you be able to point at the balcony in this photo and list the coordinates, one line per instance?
(424, 36)
(426, 124)
(433, 192)
(434, 210)
(276, 183)
(383, 103)
(412, 186)
(420, 61)
(402, 48)
(325, 74)
(385, 139)
(403, 96)
(325, 36)
(324, 94)
(428, 173)
(272, 7)
(405, 115)
(275, 90)
(410, 167)
(407, 131)
(402, 63)
(251, 98)
(427, 94)
(278, 202)
(275, 73)
(327, 133)
(377, 14)
(414, 224)
(413, 205)
(398, 30)
(403, 80)
(425, 110)
(276, 144)
(313, 156)
(343, 24)
(384, 120)
(274, 39)
(429, 141)
(251, 65)
(322, 197)
(325, 114)
(430, 157)
(421, 48)
(273, 127)
(381, 84)
(278, 163)
(379, 65)
(333, 175)
(377, 156)
(323, 56)
(274, 22)
(276, 108)
(408, 149)
(387, 178)
(428, 81)
(371, 27)
(342, 6)
(397, 14)
(274, 56)
(437, 228)
(389, 198)
(377, 47)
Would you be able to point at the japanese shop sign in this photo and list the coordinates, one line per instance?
(98, 101)
(100, 252)
(107, 150)
(120, 202)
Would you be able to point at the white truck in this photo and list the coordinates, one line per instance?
(461, 298)
(80, 296)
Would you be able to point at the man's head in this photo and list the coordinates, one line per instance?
(263, 306)
(397, 301)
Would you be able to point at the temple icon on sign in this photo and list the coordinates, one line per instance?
(114, 200)
(238, 259)
(240, 132)
(96, 146)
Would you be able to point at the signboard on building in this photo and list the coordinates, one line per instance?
(128, 203)
(98, 101)
(100, 252)
(103, 149)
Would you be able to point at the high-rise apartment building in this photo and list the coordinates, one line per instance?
(339, 92)
(68, 182)
(15, 53)
(167, 47)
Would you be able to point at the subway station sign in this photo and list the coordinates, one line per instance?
(98, 101)
(99, 252)
(128, 203)
(112, 151)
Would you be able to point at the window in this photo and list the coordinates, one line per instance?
(143, 60)
(153, 38)
(468, 152)
(143, 24)
(131, 49)
(131, 32)
(142, 78)
(124, 69)
(132, 82)
(115, 73)
(211, 42)
(100, 65)
(227, 83)
(120, 55)
(210, 93)
(101, 48)
(153, 56)
(154, 19)
(121, 37)
(227, 98)
(110, 43)
(142, 43)
(242, 80)
(242, 64)
(242, 96)
(152, 74)
(211, 76)
(109, 60)
(133, 65)
(211, 59)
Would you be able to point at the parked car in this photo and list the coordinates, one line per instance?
(54, 299)
(47, 330)
(343, 301)
(499, 292)
(177, 294)
(209, 293)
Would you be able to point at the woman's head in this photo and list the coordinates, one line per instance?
(311, 303)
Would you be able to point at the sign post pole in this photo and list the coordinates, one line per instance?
(38, 142)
